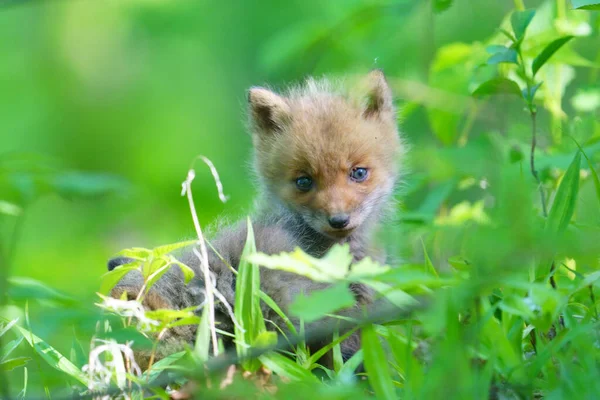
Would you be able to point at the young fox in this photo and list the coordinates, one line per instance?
(327, 159)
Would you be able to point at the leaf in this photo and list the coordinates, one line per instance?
(502, 54)
(9, 365)
(428, 263)
(6, 328)
(269, 302)
(321, 302)
(110, 279)
(23, 288)
(168, 248)
(188, 273)
(202, 346)
(519, 21)
(548, 52)
(441, 5)
(162, 365)
(247, 302)
(394, 294)
(285, 367)
(586, 4)
(137, 253)
(565, 200)
(73, 185)
(156, 275)
(376, 365)
(497, 86)
(459, 263)
(529, 93)
(9, 348)
(592, 170)
(334, 266)
(53, 357)
(351, 365)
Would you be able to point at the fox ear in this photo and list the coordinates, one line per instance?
(379, 100)
(269, 111)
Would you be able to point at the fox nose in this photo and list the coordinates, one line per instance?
(339, 221)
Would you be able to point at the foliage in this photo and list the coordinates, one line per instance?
(494, 262)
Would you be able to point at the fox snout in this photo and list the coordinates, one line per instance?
(339, 221)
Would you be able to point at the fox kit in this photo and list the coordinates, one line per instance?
(327, 159)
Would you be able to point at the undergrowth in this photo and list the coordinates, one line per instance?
(497, 298)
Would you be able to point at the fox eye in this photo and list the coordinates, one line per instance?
(359, 174)
(304, 183)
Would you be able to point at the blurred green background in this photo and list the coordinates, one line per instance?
(136, 89)
(139, 88)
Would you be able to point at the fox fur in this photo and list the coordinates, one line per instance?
(320, 131)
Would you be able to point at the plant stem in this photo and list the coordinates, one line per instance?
(534, 172)
(210, 298)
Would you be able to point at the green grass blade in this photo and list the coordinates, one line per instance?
(565, 200)
(247, 302)
(376, 365)
(52, 356)
(283, 366)
(592, 170)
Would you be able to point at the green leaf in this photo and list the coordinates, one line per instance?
(247, 302)
(9, 348)
(285, 367)
(520, 20)
(565, 200)
(441, 5)
(428, 263)
(9, 365)
(73, 185)
(23, 288)
(321, 302)
(497, 86)
(459, 263)
(188, 273)
(52, 356)
(6, 328)
(501, 54)
(137, 253)
(592, 170)
(269, 302)
(333, 267)
(586, 4)
(529, 93)
(162, 365)
(202, 345)
(168, 248)
(376, 365)
(111, 278)
(548, 52)
(156, 275)
(351, 365)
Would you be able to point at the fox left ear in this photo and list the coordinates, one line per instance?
(379, 99)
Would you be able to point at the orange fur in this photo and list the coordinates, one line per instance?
(323, 132)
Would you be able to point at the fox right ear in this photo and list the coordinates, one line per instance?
(269, 111)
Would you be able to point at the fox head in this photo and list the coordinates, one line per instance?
(329, 155)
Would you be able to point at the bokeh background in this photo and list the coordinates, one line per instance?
(130, 91)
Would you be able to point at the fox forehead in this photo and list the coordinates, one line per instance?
(328, 141)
